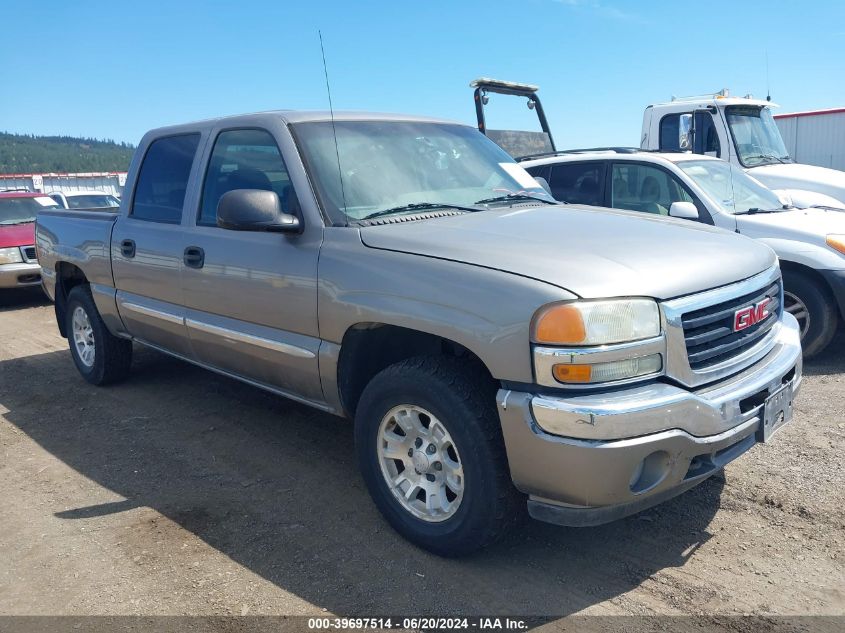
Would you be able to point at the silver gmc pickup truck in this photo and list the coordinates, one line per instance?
(494, 347)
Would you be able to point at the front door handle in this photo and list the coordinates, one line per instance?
(127, 248)
(194, 257)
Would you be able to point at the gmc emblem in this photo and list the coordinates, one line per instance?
(751, 315)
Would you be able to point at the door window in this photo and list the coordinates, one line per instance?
(638, 187)
(163, 179)
(578, 183)
(711, 137)
(245, 159)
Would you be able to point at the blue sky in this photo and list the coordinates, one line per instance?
(116, 69)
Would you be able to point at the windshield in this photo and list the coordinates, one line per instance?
(388, 165)
(756, 136)
(92, 201)
(22, 210)
(729, 186)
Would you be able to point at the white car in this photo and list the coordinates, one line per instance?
(84, 199)
(809, 242)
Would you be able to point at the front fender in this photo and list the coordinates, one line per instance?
(815, 256)
(487, 311)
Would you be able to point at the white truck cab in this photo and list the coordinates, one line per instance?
(740, 130)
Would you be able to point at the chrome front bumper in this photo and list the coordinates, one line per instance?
(586, 460)
(19, 275)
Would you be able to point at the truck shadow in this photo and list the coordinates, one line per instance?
(19, 298)
(274, 486)
(831, 360)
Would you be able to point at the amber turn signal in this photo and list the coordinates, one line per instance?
(572, 373)
(560, 324)
(836, 242)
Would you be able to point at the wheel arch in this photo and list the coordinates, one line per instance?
(369, 347)
(68, 276)
(812, 273)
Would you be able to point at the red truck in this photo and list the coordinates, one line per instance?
(18, 263)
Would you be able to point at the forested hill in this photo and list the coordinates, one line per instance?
(27, 153)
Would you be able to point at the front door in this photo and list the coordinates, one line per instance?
(647, 188)
(251, 296)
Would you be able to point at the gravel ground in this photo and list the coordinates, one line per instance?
(182, 492)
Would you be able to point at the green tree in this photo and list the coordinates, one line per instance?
(28, 153)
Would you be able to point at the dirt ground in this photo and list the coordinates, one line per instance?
(182, 492)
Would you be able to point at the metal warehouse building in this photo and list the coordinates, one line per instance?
(816, 137)
(106, 181)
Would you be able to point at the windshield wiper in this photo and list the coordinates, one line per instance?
(768, 157)
(516, 196)
(756, 210)
(416, 206)
(826, 207)
(16, 223)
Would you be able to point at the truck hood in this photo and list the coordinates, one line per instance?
(589, 251)
(830, 182)
(17, 235)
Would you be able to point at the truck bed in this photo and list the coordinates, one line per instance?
(85, 243)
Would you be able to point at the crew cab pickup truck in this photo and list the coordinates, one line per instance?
(18, 266)
(493, 347)
(810, 243)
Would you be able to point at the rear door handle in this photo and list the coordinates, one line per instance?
(194, 257)
(127, 248)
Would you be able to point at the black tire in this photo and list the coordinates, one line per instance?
(821, 307)
(112, 355)
(455, 392)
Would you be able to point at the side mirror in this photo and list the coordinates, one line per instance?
(685, 210)
(544, 184)
(254, 210)
(685, 132)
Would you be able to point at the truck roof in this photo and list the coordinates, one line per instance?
(300, 116)
(716, 100)
(81, 192)
(617, 155)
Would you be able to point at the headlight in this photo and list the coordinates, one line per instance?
(10, 255)
(596, 322)
(836, 242)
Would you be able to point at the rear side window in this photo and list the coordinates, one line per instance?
(163, 179)
(245, 159)
(578, 183)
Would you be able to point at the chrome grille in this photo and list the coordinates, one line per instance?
(29, 253)
(709, 332)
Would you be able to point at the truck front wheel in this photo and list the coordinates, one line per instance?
(814, 308)
(430, 449)
(100, 357)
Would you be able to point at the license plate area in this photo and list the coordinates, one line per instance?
(777, 411)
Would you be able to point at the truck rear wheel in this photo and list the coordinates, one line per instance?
(431, 452)
(814, 308)
(100, 357)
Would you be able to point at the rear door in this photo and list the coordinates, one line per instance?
(147, 244)
(251, 296)
(578, 182)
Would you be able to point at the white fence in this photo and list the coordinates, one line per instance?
(109, 182)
